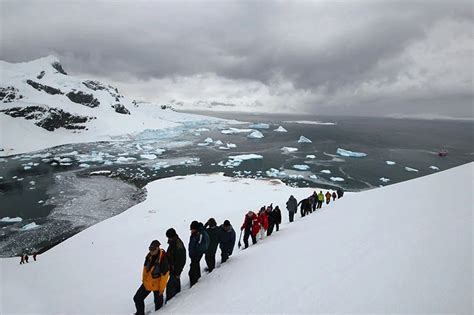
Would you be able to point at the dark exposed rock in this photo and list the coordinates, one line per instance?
(82, 98)
(121, 109)
(9, 94)
(98, 86)
(41, 75)
(40, 87)
(49, 118)
(58, 67)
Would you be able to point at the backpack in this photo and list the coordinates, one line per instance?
(203, 243)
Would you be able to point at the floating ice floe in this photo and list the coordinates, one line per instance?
(73, 153)
(124, 160)
(84, 165)
(348, 153)
(148, 156)
(224, 148)
(103, 172)
(32, 183)
(231, 145)
(303, 139)
(409, 169)
(434, 168)
(326, 172)
(260, 126)
(160, 151)
(203, 144)
(41, 201)
(236, 160)
(390, 162)
(384, 180)
(208, 140)
(202, 130)
(29, 226)
(294, 176)
(232, 131)
(161, 165)
(280, 129)
(218, 142)
(313, 177)
(337, 179)
(289, 149)
(26, 167)
(310, 156)
(11, 220)
(301, 167)
(255, 135)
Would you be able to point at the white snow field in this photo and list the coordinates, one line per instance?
(360, 254)
(18, 135)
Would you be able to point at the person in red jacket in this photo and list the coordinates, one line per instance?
(250, 228)
(263, 221)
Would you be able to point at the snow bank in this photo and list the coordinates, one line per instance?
(348, 153)
(360, 254)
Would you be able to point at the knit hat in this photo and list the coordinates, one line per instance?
(154, 244)
(194, 225)
(226, 223)
(170, 233)
(211, 222)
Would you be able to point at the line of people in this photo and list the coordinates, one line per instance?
(162, 269)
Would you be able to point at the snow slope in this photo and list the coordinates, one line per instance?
(397, 249)
(115, 115)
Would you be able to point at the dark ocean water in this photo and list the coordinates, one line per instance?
(54, 194)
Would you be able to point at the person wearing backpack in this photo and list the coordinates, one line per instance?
(177, 259)
(198, 245)
(328, 197)
(155, 277)
(251, 227)
(226, 240)
(213, 232)
(292, 207)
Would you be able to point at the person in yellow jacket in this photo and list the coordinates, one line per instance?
(155, 277)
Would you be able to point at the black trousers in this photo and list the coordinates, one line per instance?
(210, 261)
(270, 229)
(173, 287)
(320, 204)
(224, 257)
(291, 214)
(313, 206)
(277, 225)
(140, 297)
(246, 238)
(195, 270)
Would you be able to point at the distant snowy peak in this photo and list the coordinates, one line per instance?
(42, 92)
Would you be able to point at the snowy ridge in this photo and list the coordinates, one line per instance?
(42, 106)
(360, 254)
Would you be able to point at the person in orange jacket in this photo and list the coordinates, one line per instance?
(250, 227)
(328, 197)
(155, 277)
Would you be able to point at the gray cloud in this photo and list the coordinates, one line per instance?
(332, 50)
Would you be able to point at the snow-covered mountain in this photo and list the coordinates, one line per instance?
(41, 105)
(361, 254)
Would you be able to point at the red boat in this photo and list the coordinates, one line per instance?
(442, 153)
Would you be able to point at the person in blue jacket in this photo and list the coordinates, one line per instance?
(226, 240)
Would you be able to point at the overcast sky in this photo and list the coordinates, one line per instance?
(343, 57)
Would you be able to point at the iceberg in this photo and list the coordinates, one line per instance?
(255, 135)
(337, 179)
(236, 160)
(231, 145)
(289, 149)
(280, 129)
(434, 168)
(260, 126)
(218, 142)
(208, 140)
(301, 167)
(310, 156)
(409, 169)
(29, 226)
(11, 220)
(232, 131)
(148, 156)
(348, 153)
(303, 139)
(390, 162)
(326, 171)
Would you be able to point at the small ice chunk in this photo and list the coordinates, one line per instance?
(294, 176)
(326, 172)
(310, 156)
(232, 131)
(124, 160)
(26, 167)
(218, 142)
(301, 167)
(390, 162)
(160, 151)
(11, 220)
(303, 139)
(208, 140)
(434, 168)
(260, 126)
(313, 177)
(231, 145)
(273, 172)
(203, 144)
(41, 201)
(255, 135)
(409, 169)
(280, 129)
(84, 165)
(348, 153)
(289, 149)
(337, 179)
(235, 161)
(29, 226)
(202, 130)
(224, 148)
(32, 183)
(384, 180)
(148, 156)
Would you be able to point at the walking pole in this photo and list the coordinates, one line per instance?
(240, 244)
